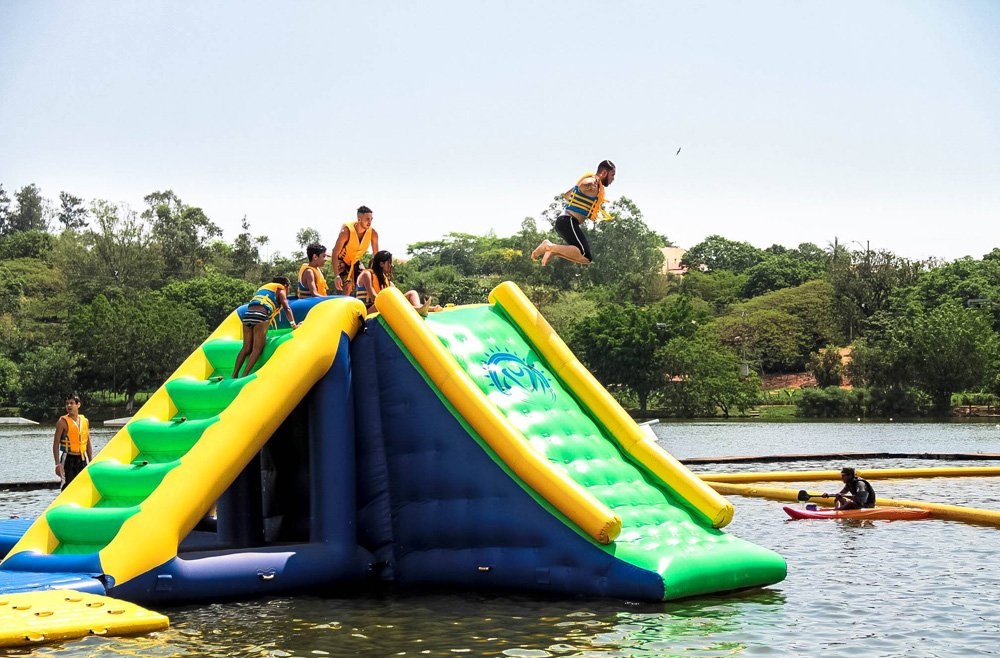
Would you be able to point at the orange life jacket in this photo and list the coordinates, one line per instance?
(75, 440)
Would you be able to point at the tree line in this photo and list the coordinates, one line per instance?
(105, 300)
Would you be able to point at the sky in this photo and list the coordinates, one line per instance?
(875, 123)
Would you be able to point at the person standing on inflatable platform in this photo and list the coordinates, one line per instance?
(352, 244)
(71, 445)
(312, 283)
(583, 202)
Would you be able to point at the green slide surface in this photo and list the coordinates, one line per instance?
(660, 533)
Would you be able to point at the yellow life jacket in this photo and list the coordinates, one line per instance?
(267, 296)
(318, 277)
(584, 205)
(75, 440)
(356, 247)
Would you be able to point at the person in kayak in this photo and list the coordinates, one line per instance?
(856, 494)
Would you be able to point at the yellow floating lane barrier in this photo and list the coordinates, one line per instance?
(868, 474)
(29, 618)
(938, 510)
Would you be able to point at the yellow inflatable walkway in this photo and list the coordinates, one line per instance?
(50, 616)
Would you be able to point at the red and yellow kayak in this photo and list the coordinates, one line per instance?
(882, 513)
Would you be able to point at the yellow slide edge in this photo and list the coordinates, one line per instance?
(30, 618)
(510, 445)
(606, 409)
(938, 510)
(868, 474)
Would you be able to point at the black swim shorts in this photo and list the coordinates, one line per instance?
(572, 232)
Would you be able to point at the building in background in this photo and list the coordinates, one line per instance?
(672, 260)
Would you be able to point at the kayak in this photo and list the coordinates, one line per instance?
(883, 513)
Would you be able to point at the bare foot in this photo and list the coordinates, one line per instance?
(546, 257)
(540, 249)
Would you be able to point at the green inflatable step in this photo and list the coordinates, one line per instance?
(222, 352)
(165, 440)
(200, 398)
(79, 528)
(127, 482)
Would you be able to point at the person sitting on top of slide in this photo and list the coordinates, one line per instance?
(352, 244)
(583, 202)
(312, 283)
(856, 494)
(378, 277)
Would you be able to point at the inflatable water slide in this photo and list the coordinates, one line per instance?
(469, 448)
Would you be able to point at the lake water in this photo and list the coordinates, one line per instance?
(920, 588)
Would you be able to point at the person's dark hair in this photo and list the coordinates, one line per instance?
(848, 471)
(363, 209)
(314, 250)
(283, 280)
(376, 267)
(74, 397)
(606, 165)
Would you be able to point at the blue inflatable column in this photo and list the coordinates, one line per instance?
(331, 447)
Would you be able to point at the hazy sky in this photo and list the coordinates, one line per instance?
(798, 121)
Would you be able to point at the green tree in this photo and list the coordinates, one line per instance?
(706, 377)
(768, 339)
(811, 303)
(116, 257)
(622, 345)
(943, 351)
(246, 253)
(48, 375)
(5, 213)
(30, 213)
(967, 281)
(720, 288)
(777, 272)
(626, 253)
(10, 291)
(27, 244)
(718, 253)
(10, 381)
(182, 232)
(953, 347)
(213, 295)
(132, 345)
(826, 366)
(72, 212)
(863, 282)
(307, 236)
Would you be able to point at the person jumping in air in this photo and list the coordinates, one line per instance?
(378, 277)
(263, 308)
(583, 202)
